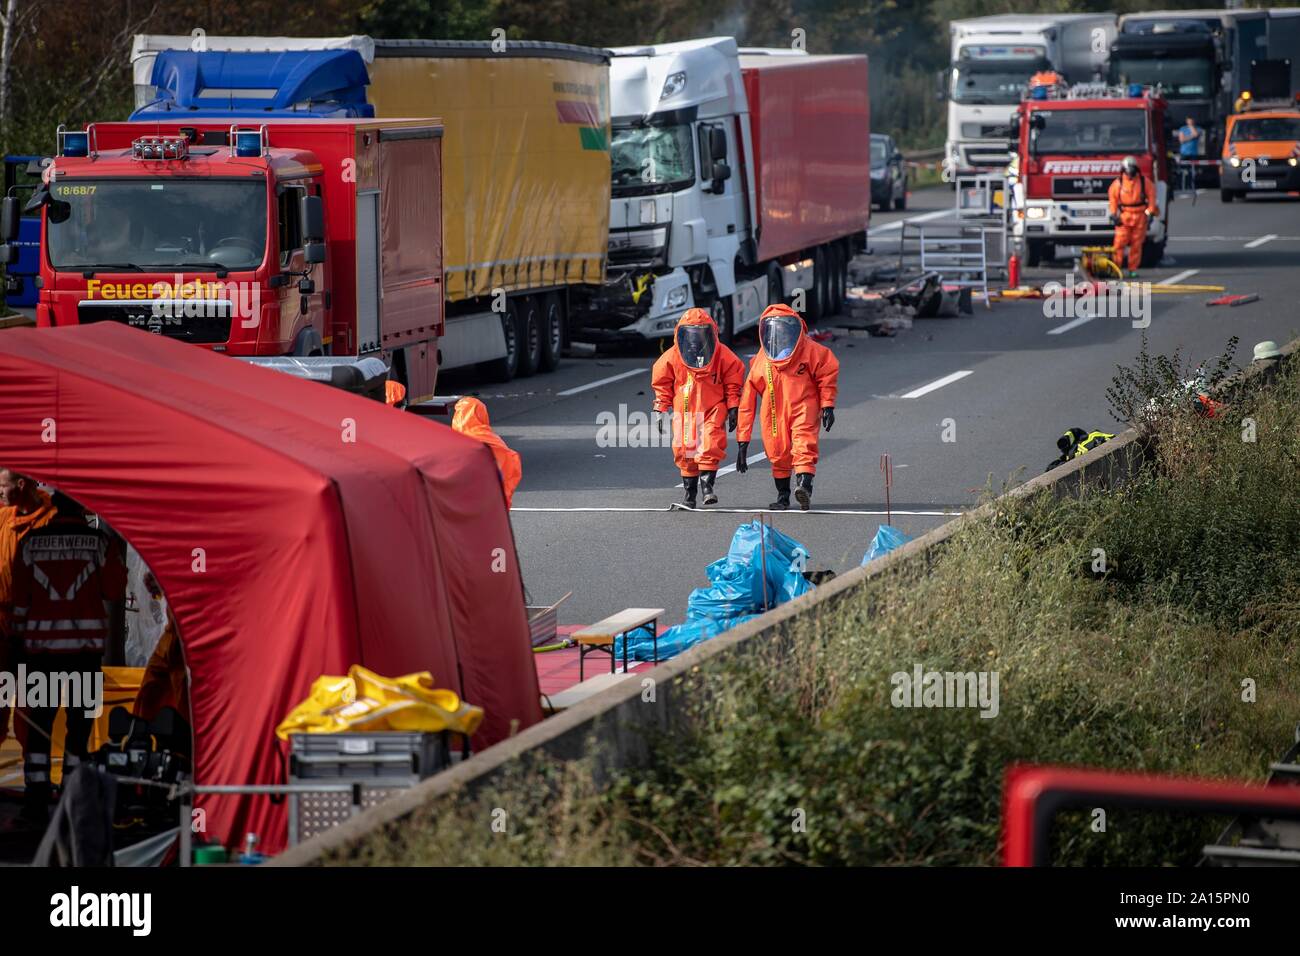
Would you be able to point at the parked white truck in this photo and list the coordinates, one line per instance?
(993, 59)
(739, 178)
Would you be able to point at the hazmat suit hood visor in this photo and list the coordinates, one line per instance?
(779, 335)
(696, 345)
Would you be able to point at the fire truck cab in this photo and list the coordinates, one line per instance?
(1071, 143)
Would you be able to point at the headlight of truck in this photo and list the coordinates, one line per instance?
(1035, 212)
(1234, 162)
(1293, 161)
(676, 298)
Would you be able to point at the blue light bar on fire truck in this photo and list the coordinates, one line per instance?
(160, 147)
(248, 142)
(75, 142)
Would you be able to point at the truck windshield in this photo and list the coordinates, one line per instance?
(983, 85)
(1182, 77)
(652, 156)
(156, 224)
(1266, 129)
(1084, 132)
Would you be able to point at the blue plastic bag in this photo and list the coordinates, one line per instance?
(680, 637)
(887, 539)
(739, 585)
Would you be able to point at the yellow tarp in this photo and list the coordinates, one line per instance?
(525, 162)
(364, 701)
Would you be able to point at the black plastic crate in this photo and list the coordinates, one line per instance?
(379, 755)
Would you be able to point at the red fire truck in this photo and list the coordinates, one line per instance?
(1070, 145)
(295, 237)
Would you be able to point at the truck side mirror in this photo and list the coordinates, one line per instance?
(721, 173)
(717, 144)
(314, 252)
(312, 215)
(9, 218)
(1037, 121)
(941, 85)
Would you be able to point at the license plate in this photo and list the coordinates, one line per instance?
(1087, 213)
(1264, 184)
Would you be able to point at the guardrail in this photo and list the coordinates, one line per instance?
(622, 718)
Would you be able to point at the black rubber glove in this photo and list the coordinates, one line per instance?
(742, 449)
(828, 418)
(731, 418)
(1114, 219)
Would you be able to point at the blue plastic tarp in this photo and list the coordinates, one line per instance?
(738, 591)
(887, 539)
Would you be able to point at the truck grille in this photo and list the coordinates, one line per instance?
(210, 326)
(638, 246)
(1074, 187)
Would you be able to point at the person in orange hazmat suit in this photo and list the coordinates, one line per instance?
(471, 419)
(1132, 207)
(700, 380)
(795, 381)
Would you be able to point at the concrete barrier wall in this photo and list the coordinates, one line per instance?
(623, 722)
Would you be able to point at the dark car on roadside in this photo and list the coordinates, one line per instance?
(888, 174)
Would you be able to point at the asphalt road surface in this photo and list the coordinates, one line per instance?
(1012, 380)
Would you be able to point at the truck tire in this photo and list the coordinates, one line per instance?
(1152, 253)
(507, 367)
(1033, 253)
(1227, 195)
(552, 331)
(720, 310)
(815, 298)
(839, 263)
(528, 319)
(775, 284)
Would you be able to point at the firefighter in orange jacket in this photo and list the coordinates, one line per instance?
(66, 576)
(700, 380)
(1132, 207)
(795, 380)
(471, 420)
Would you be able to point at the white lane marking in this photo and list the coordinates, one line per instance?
(743, 511)
(946, 380)
(603, 381)
(1174, 280)
(898, 224)
(1254, 243)
(1072, 324)
(1225, 238)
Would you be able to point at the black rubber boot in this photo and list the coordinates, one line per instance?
(706, 486)
(803, 490)
(782, 495)
(692, 485)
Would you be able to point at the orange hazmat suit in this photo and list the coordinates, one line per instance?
(1131, 198)
(791, 392)
(700, 379)
(471, 419)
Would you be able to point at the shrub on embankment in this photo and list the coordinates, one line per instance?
(794, 753)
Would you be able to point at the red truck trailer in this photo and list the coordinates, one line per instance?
(810, 123)
(302, 237)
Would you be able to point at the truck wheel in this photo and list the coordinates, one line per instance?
(507, 367)
(1152, 253)
(552, 331)
(815, 298)
(775, 284)
(528, 319)
(839, 262)
(1033, 253)
(1048, 253)
(720, 310)
(1226, 195)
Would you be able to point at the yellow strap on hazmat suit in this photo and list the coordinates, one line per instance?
(365, 701)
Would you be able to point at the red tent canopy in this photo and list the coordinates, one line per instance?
(296, 530)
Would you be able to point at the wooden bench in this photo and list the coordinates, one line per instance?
(600, 636)
(575, 695)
